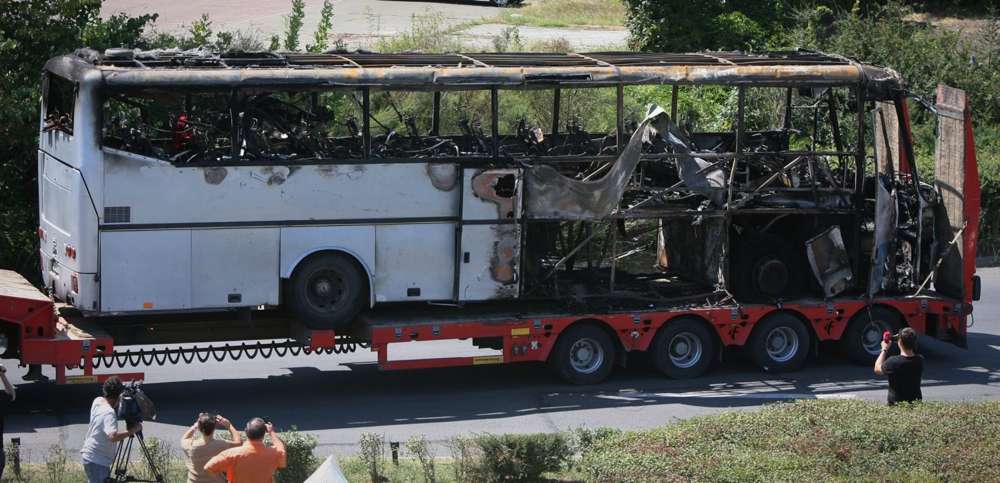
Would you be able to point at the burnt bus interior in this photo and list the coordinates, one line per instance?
(786, 198)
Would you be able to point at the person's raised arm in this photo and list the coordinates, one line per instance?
(7, 386)
(225, 423)
(881, 358)
(279, 445)
(189, 434)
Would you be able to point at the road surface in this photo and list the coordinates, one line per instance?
(358, 22)
(337, 398)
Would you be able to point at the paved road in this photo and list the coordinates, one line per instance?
(357, 22)
(337, 398)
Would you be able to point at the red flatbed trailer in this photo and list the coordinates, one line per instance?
(51, 335)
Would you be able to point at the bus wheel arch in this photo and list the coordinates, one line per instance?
(685, 346)
(862, 338)
(585, 352)
(781, 341)
(327, 289)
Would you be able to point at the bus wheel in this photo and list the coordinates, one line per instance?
(327, 291)
(862, 340)
(684, 348)
(779, 343)
(584, 354)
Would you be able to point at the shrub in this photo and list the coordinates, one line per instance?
(56, 470)
(372, 453)
(522, 457)
(301, 461)
(422, 452)
(465, 457)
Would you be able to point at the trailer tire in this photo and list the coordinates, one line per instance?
(862, 340)
(327, 291)
(684, 348)
(584, 354)
(779, 343)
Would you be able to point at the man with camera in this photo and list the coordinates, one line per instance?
(903, 371)
(253, 462)
(198, 450)
(98, 452)
(7, 396)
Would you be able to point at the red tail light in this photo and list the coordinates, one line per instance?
(71, 251)
(41, 233)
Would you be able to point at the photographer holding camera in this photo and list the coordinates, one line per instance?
(198, 450)
(903, 371)
(98, 452)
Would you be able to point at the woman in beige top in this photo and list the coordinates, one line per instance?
(198, 449)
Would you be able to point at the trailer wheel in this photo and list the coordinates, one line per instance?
(327, 291)
(862, 340)
(779, 343)
(684, 348)
(584, 354)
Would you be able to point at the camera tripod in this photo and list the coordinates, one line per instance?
(119, 470)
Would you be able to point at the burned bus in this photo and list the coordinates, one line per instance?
(191, 181)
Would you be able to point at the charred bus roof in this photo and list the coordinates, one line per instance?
(127, 69)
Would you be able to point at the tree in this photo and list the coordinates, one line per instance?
(31, 32)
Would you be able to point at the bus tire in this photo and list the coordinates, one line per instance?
(684, 348)
(327, 291)
(862, 340)
(766, 268)
(584, 354)
(779, 343)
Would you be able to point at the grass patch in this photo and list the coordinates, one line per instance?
(566, 13)
(810, 441)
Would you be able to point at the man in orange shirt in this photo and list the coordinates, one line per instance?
(253, 462)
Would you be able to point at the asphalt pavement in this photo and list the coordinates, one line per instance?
(360, 23)
(339, 397)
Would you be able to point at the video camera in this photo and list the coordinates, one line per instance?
(135, 406)
(889, 337)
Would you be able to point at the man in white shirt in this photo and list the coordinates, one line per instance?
(98, 452)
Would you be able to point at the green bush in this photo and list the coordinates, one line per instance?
(300, 459)
(522, 457)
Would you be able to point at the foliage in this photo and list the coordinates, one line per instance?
(372, 453)
(925, 56)
(465, 456)
(682, 26)
(812, 440)
(299, 456)
(321, 37)
(32, 31)
(56, 469)
(522, 457)
(418, 446)
(293, 24)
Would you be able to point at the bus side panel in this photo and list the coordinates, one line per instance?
(157, 193)
(414, 262)
(145, 270)
(234, 267)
